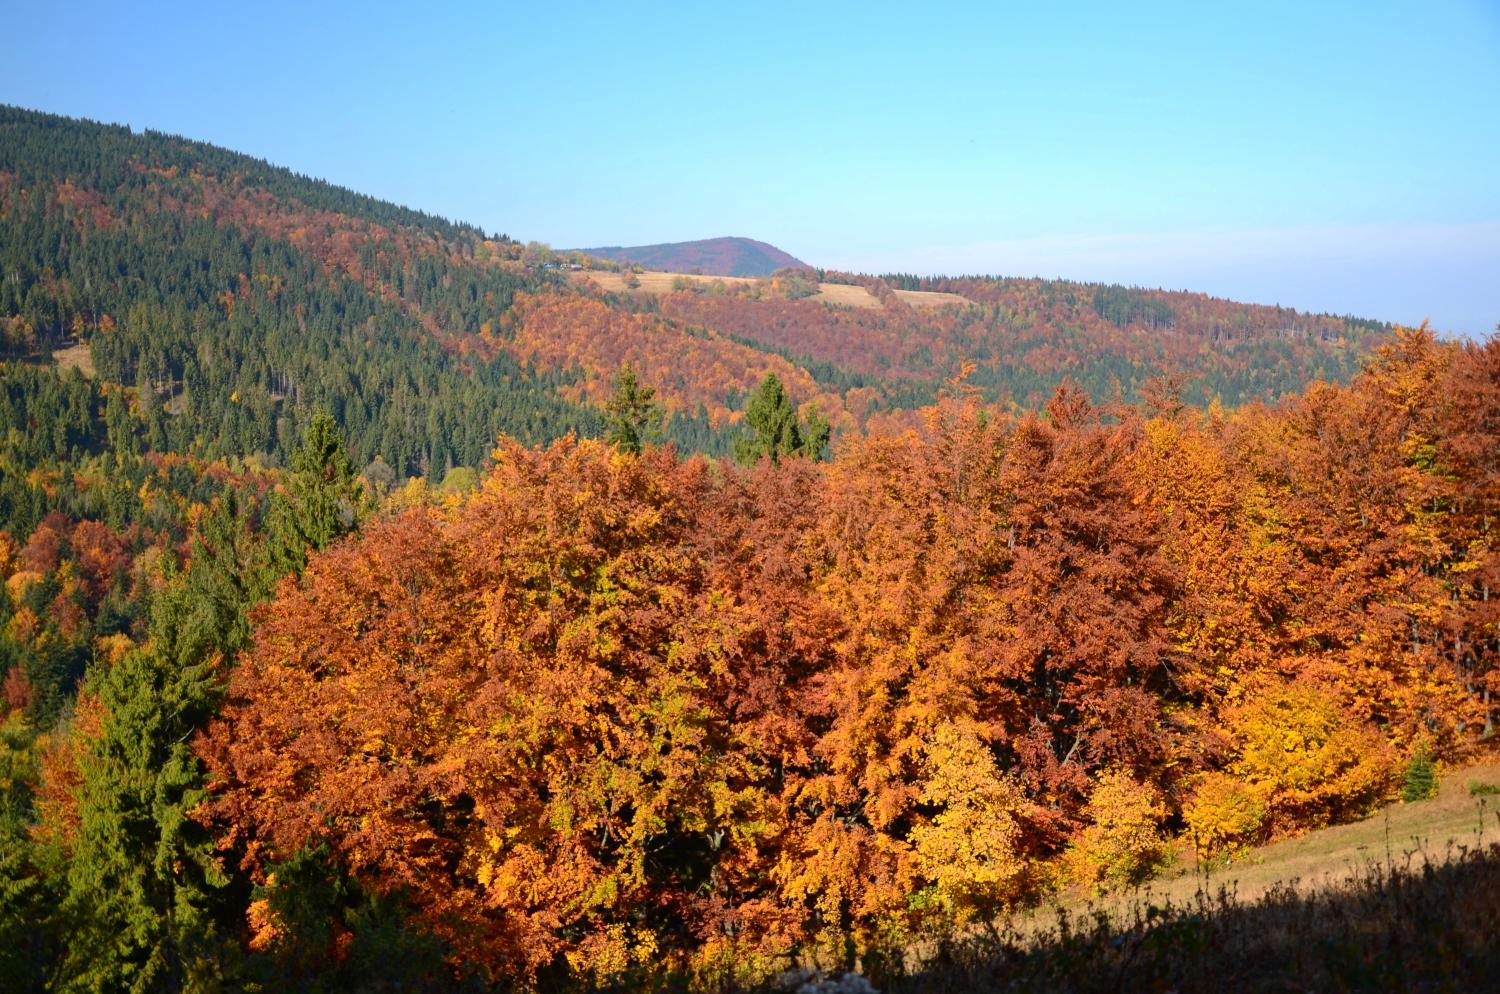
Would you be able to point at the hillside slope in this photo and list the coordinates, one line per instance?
(1404, 900)
(710, 256)
(232, 298)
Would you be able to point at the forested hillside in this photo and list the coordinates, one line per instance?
(239, 297)
(627, 718)
(382, 607)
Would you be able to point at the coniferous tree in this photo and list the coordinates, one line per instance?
(633, 416)
(143, 881)
(324, 499)
(27, 892)
(816, 434)
(772, 417)
(773, 420)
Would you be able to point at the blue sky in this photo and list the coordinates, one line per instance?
(1328, 156)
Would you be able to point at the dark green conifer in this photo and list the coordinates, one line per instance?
(1420, 781)
(28, 893)
(323, 501)
(143, 882)
(632, 414)
(777, 431)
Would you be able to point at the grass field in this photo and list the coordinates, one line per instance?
(836, 294)
(930, 298)
(1406, 900)
(1398, 834)
(75, 357)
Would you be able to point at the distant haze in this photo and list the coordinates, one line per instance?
(1448, 274)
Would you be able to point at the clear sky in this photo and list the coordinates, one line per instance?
(1328, 156)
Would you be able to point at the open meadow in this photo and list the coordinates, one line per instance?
(836, 294)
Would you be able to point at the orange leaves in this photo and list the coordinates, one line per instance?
(612, 706)
(57, 795)
(687, 368)
(511, 716)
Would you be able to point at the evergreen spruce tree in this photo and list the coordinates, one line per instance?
(632, 414)
(777, 431)
(143, 884)
(119, 428)
(145, 894)
(816, 434)
(773, 420)
(28, 894)
(324, 500)
(1420, 781)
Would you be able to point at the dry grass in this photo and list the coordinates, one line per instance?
(1394, 834)
(929, 298)
(1408, 899)
(844, 295)
(75, 357)
(1426, 926)
(654, 282)
(835, 294)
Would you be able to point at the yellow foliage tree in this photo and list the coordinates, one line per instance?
(1301, 762)
(1224, 814)
(968, 849)
(1124, 843)
(1316, 764)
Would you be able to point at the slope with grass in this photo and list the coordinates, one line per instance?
(1408, 899)
(1462, 816)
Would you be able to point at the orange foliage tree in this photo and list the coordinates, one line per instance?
(615, 710)
(549, 719)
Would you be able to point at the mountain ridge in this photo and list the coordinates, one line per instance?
(729, 255)
(245, 297)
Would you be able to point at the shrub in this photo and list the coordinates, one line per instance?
(1313, 763)
(1420, 779)
(1225, 815)
(1124, 843)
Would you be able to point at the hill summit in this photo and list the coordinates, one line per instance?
(710, 256)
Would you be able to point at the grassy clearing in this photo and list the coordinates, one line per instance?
(836, 294)
(1434, 831)
(931, 298)
(657, 283)
(75, 357)
(1427, 926)
(845, 295)
(1395, 834)
(1407, 900)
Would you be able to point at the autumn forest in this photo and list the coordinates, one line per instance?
(389, 605)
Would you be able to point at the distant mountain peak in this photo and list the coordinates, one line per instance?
(729, 256)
